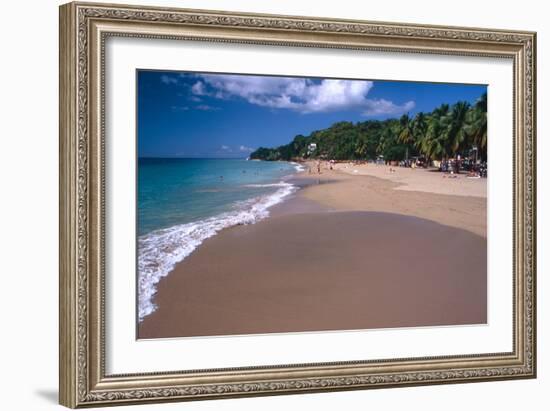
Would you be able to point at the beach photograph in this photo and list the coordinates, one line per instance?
(270, 204)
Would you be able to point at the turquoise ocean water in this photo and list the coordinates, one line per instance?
(182, 202)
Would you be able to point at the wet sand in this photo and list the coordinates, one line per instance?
(349, 251)
(317, 270)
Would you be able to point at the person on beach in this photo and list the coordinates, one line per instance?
(318, 167)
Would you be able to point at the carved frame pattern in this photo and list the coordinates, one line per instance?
(82, 378)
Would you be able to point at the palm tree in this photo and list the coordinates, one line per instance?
(477, 123)
(406, 133)
(441, 111)
(456, 130)
(434, 144)
(361, 149)
(457, 126)
(387, 139)
(420, 129)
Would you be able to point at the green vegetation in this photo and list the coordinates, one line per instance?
(442, 134)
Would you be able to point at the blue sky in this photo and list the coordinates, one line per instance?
(220, 115)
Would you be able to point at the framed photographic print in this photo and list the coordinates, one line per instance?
(257, 204)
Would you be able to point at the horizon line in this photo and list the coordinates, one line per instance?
(194, 157)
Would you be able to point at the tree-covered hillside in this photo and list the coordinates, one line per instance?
(440, 134)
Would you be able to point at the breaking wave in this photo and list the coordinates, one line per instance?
(160, 250)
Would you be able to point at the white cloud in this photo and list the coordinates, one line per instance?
(225, 148)
(198, 88)
(205, 107)
(166, 79)
(298, 94)
(246, 149)
(179, 108)
(378, 107)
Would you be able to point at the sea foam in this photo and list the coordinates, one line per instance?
(299, 167)
(279, 184)
(161, 250)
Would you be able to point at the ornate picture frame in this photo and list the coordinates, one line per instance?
(84, 28)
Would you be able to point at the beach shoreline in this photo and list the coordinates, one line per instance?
(405, 191)
(321, 271)
(345, 206)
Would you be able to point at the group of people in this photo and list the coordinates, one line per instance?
(318, 166)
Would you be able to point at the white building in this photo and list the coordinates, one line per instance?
(311, 148)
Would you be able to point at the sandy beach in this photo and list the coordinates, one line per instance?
(457, 202)
(427, 181)
(357, 247)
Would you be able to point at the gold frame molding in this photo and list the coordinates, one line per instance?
(84, 27)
